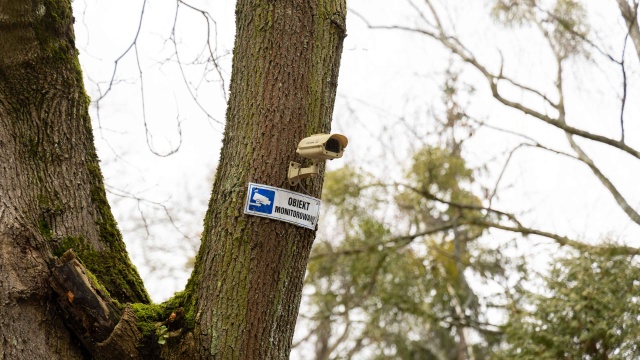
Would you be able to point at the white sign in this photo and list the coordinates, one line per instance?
(284, 205)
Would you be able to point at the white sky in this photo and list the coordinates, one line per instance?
(384, 76)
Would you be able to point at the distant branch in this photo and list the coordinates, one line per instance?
(619, 198)
(141, 200)
(212, 56)
(394, 242)
(459, 205)
(208, 18)
(518, 228)
(582, 155)
(624, 89)
(115, 63)
(561, 240)
(457, 48)
(147, 133)
(630, 16)
(559, 122)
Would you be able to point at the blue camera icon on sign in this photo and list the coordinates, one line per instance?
(261, 200)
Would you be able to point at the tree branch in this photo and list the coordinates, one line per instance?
(397, 241)
(116, 62)
(458, 205)
(624, 90)
(457, 48)
(622, 202)
(519, 228)
(630, 16)
(562, 240)
(582, 156)
(105, 330)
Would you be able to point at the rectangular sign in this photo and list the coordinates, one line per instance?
(284, 205)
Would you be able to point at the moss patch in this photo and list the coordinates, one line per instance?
(54, 30)
(45, 228)
(150, 316)
(156, 320)
(111, 271)
(49, 209)
(123, 281)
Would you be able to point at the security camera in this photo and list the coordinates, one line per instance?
(322, 146)
(318, 147)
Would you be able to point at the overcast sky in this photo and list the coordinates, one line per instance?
(384, 76)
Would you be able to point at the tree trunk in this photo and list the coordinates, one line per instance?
(51, 192)
(249, 270)
(242, 299)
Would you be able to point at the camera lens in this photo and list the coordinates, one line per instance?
(332, 145)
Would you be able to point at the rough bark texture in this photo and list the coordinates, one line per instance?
(249, 270)
(51, 192)
(243, 297)
(106, 331)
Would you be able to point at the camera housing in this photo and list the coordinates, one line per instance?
(318, 147)
(322, 146)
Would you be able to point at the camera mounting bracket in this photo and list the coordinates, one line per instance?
(297, 172)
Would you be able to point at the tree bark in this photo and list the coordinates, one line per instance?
(249, 270)
(243, 297)
(51, 191)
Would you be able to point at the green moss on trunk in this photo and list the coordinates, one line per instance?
(53, 76)
(249, 271)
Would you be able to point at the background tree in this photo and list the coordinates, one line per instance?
(520, 311)
(585, 310)
(394, 281)
(243, 296)
(563, 26)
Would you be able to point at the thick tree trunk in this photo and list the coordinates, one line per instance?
(243, 297)
(51, 192)
(249, 271)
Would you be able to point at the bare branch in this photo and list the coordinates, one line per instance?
(458, 205)
(532, 143)
(622, 202)
(624, 89)
(115, 63)
(561, 240)
(454, 45)
(213, 58)
(394, 242)
(527, 88)
(141, 200)
(630, 16)
(147, 133)
(582, 156)
(504, 169)
(519, 228)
